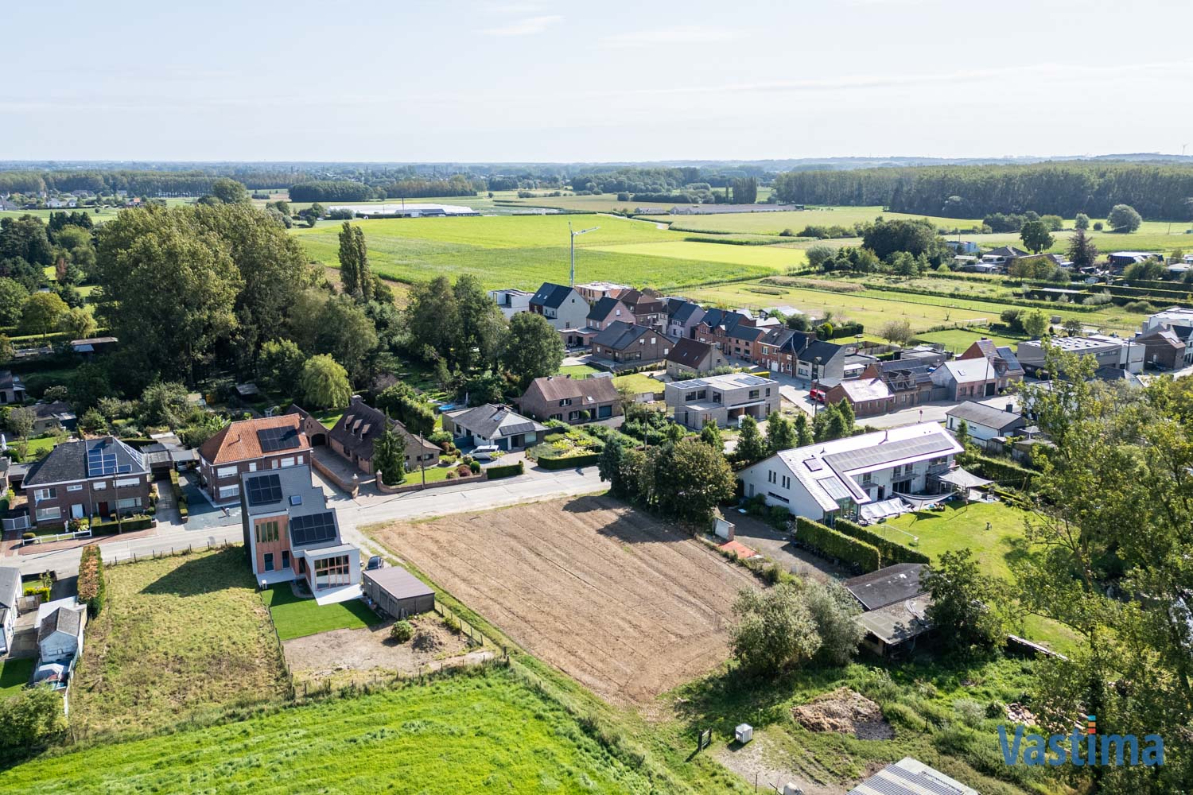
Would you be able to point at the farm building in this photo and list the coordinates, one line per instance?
(398, 592)
(911, 777)
(895, 604)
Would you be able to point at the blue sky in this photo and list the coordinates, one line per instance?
(563, 81)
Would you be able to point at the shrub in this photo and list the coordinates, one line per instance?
(31, 718)
(833, 544)
(463, 470)
(504, 471)
(453, 624)
(569, 462)
(971, 712)
(401, 631)
(91, 580)
(1139, 307)
(474, 466)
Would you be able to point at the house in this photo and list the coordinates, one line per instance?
(909, 382)
(85, 479)
(571, 400)
(492, 425)
(1108, 351)
(60, 631)
(397, 592)
(290, 533)
(49, 417)
(607, 311)
(683, 317)
(830, 479)
(983, 370)
(1121, 259)
(722, 398)
(856, 364)
(742, 341)
(867, 396)
(562, 306)
(962, 246)
(1003, 256)
(821, 361)
(985, 422)
(249, 446)
(910, 777)
(1003, 360)
(10, 595)
(631, 346)
(691, 358)
(924, 355)
(355, 432)
(1170, 348)
(511, 301)
(578, 337)
(1173, 317)
(12, 389)
(779, 349)
(648, 310)
(595, 291)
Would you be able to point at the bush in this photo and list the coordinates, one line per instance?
(463, 470)
(504, 471)
(401, 631)
(830, 543)
(892, 552)
(91, 580)
(1003, 472)
(569, 462)
(31, 718)
(474, 466)
(971, 712)
(453, 624)
(1139, 307)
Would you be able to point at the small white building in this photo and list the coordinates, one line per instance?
(985, 422)
(60, 629)
(511, 301)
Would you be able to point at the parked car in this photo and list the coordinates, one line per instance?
(374, 563)
(817, 395)
(485, 452)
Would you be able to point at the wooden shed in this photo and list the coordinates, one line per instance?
(397, 592)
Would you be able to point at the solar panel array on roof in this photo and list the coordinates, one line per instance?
(888, 452)
(314, 528)
(100, 463)
(753, 380)
(274, 439)
(265, 489)
(813, 464)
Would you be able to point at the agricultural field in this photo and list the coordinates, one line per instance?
(177, 636)
(104, 214)
(524, 252)
(624, 604)
(481, 728)
(772, 223)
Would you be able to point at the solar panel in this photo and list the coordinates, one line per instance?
(274, 439)
(313, 528)
(814, 464)
(518, 427)
(265, 489)
(101, 463)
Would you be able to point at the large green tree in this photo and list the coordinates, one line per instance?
(433, 319)
(25, 238)
(483, 328)
(775, 630)
(686, 480)
(1036, 236)
(41, 313)
(1124, 218)
(12, 301)
(346, 333)
(324, 383)
(751, 447)
(389, 456)
(355, 275)
(534, 348)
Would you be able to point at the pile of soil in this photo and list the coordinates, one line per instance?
(845, 712)
(426, 641)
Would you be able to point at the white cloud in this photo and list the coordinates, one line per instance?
(686, 34)
(530, 26)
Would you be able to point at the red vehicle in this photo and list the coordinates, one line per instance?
(817, 395)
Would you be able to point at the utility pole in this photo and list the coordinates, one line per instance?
(575, 235)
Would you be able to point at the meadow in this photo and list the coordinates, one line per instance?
(772, 223)
(177, 636)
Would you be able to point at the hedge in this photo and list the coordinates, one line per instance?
(123, 526)
(505, 471)
(91, 580)
(569, 462)
(1002, 471)
(832, 544)
(892, 552)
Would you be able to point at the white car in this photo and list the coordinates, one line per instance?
(485, 452)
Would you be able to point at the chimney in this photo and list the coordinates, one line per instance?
(1011, 407)
(355, 399)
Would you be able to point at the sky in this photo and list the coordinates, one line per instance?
(530, 81)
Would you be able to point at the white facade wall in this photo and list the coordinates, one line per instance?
(756, 480)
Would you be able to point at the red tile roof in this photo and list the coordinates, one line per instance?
(239, 442)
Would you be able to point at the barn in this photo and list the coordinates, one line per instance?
(398, 592)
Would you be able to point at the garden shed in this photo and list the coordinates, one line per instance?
(398, 592)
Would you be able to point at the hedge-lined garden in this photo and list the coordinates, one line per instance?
(890, 551)
(833, 544)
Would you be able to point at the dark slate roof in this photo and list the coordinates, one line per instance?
(689, 352)
(552, 295)
(10, 586)
(683, 312)
(620, 335)
(68, 461)
(988, 416)
(743, 332)
(887, 586)
(602, 309)
(1007, 251)
(825, 350)
(713, 317)
(360, 425)
(64, 619)
(7, 381)
(399, 583)
(489, 420)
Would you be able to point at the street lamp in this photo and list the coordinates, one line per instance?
(575, 235)
(815, 386)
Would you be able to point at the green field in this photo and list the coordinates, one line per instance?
(484, 731)
(297, 618)
(578, 370)
(772, 223)
(14, 675)
(177, 635)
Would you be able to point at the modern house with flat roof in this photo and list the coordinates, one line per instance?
(830, 479)
(511, 301)
(724, 399)
(1112, 352)
(290, 533)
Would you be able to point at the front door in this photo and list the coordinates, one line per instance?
(990, 389)
(102, 509)
(269, 561)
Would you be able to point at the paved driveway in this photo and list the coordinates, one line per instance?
(776, 545)
(204, 516)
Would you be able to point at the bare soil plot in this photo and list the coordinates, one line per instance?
(627, 605)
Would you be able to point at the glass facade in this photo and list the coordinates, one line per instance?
(332, 572)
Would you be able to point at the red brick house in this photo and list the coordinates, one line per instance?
(85, 479)
(571, 400)
(250, 446)
(353, 436)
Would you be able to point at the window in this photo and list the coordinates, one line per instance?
(128, 483)
(266, 532)
(867, 478)
(48, 514)
(76, 487)
(778, 497)
(771, 477)
(287, 462)
(225, 472)
(44, 494)
(332, 572)
(285, 558)
(252, 466)
(228, 492)
(269, 561)
(754, 394)
(128, 503)
(565, 402)
(787, 481)
(99, 486)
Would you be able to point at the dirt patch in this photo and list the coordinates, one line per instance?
(627, 605)
(759, 763)
(845, 712)
(337, 654)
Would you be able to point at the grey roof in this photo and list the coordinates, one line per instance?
(9, 381)
(490, 420)
(887, 586)
(292, 482)
(620, 335)
(743, 332)
(987, 416)
(360, 425)
(10, 586)
(890, 452)
(683, 312)
(64, 619)
(399, 583)
(911, 777)
(552, 295)
(68, 461)
(827, 351)
(602, 309)
(689, 352)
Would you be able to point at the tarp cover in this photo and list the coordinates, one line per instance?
(965, 480)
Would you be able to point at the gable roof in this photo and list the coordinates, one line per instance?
(683, 311)
(987, 416)
(862, 389)
(10, 586)
(241, 442)
(620, 335)
(552, 295)
(603, 308)
(689, 352)
(554, 388)
(360, 425)
(64, 619)
(1007, 251)
(887, 586)
(827, 351)
(68, 461)
(1165, 334)
(490, 420)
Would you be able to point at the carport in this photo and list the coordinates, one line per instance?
(397, 592)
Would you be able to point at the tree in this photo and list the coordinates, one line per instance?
(897, 332)
(483, 328)
(534, 349)
(686, 479)
(803, 433)
(780, 433)
(41, 313)
(1073, 327)
(433, 319)
(833, 609)
(710, 434)
(389, 455)
(818, 255)
(229, 191)
(1081, 223)
(355, 275)
(1054, 223)
(280, 365)
(31, 718)
(164, 403)
(346, 333)
(12, 301)
(78, 323)
(775, 630)
(92, 422)
(89, 386)
(7, 351)
(1035, 323)
(799, 322)
(912, 236)
(324, 383)
(1124, 219)
(751, 448)
(20, 421)
(962, 600)
(1082, 251)
(1035, 236)
(25, 239)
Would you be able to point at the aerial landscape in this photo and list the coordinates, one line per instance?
(532, 398)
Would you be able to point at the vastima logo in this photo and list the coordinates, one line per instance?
(1080, 750)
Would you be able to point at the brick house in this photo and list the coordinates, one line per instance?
(779, 349)
(910, 383)
(1168, 348)
(683, 317)
(571, 400)
(85, 479)
(354, 434)
(690, 358)
(249, 446)
(867, 396)
(648, 310)
(291, 534)
(631, 345)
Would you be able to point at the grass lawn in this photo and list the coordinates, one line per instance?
(639, 382)
(176, 635)
(329, 417)
(957, 340)
(578, 370)
(297, 618)
(473, 731)
(773, 223)
(14, 675)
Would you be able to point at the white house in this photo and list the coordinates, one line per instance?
(822, 481)
(60, 630)
(985, 422)
(511, 301)
(10, 593)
